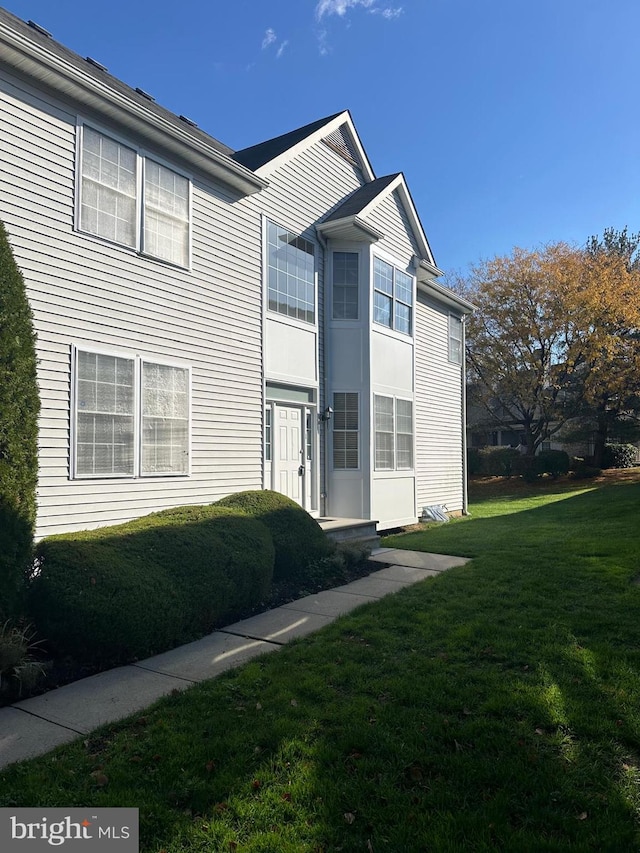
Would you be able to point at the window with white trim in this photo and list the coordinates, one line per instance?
(393, 427)
(291, 278)
(150, 214)
(455, 339)
(345, 285)
(392, 297)
(131, 416)
(346, 425)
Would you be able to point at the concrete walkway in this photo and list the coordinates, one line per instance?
(35, 726)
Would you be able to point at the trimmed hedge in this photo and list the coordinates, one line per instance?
(500, 461)
(554, 462)
(19, 408)
(120, 593)
(620, 456)
(298, 539)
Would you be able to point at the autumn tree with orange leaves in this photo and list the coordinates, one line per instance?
(554, 334)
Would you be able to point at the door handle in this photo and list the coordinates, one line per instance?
(301, 471)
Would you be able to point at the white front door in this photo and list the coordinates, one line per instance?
(290, 452)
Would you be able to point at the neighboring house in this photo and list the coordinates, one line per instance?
(212, 320)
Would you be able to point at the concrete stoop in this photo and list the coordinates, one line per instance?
(351, 531)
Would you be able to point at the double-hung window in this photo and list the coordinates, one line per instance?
(346, 427)
(131, 199)
(455, 339)
(290, 274)
(345, 285)
(392, 297)
(393, 426)
(131, 416)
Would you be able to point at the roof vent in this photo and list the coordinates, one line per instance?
(187, 121)
(39, 29)
(144, 94)
(95, 63)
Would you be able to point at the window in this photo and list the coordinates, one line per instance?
(392, 297)
(290, 274)
(384, 446)
(268, 438)
(111, 207)
(455, 339)
(345, 431)
(393, 421)
(131, 417)
(345, 285)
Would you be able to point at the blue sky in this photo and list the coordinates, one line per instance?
(514, 123)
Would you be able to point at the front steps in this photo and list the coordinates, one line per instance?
(350, 531)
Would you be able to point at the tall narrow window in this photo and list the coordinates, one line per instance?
(384, 433)
(291, 274)
(455, 339)
(382, 293)
(392, 297)
(345, 431)
(165, 419)
(403, 302)
(105, 419)
(268, 438)
(345, 285)
(404, 434)
(108, 201)
(166, 214)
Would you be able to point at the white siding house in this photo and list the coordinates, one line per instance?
(211, 320)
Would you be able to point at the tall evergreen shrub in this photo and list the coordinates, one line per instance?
(19, 408)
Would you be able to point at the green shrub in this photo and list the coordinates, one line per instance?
(298, 539)
(620, 456)
(474, 462)
(119, 593)
(582, 469)
(554, 462)
(19, 408)
(500, 461)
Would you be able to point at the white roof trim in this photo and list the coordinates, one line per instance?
(54, 71)
(399, 183)
(288, 155)
(352, 226)
(443, 294)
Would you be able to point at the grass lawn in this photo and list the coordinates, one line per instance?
(495, 707)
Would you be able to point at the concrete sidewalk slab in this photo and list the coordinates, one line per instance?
(278, 626)
(103, 698)
(207, 657)
(373, 586)
(330, 603)
(24, 736)
(417, 559)
(404, 574)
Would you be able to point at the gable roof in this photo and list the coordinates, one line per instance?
(32, 51)
(361, 198)
(265, 157)
(259, 155)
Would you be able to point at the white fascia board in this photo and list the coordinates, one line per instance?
(55, 72)
(288, 155)
(444, 294)
(350, 227)
(399, 183)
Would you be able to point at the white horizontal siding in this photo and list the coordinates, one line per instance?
(439, 464)
(83, 289)
(390, 217)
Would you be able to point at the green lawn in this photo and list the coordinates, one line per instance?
(496, 707)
